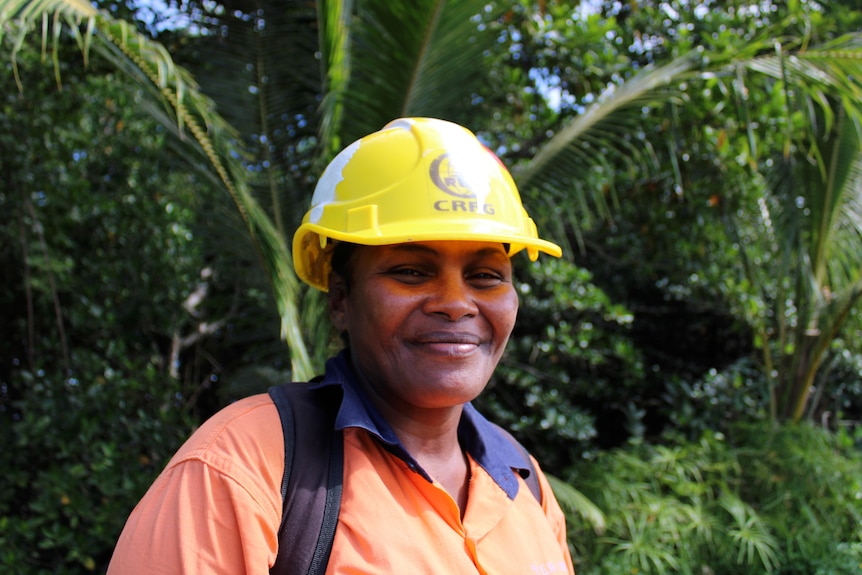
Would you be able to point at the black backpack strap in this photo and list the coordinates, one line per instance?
(529, 474)
(313, 477)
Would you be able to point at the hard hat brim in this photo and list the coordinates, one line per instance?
(312, 244)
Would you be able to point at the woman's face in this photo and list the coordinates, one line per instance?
(427, 321)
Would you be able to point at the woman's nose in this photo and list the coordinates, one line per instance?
(451, 297)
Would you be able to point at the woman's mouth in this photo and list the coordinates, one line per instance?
(449, 344)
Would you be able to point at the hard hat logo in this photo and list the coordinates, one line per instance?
(446, 176)
(465, 179)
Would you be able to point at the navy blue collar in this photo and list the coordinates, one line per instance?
(485, 443)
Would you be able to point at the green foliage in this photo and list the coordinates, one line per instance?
(763, 499)
(567, 362)
(837, 400)
(85, 181)
(717, 399)
(104, 237)
(98, 254)
(77, 454)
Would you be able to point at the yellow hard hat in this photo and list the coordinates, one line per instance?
(417, 179)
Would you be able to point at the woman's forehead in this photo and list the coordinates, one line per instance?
(440, 249)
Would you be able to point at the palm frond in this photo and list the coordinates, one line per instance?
(418, 59)
(335, 40)
(267, 85)
(613, 126)
(822, 72)
(576, 502)
(755, 545)
(617, 112)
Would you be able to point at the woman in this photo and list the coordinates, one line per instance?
(410, 231)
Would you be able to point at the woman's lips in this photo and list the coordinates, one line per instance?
(449, 344)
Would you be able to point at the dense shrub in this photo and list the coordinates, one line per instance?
(77, 453)
(761, 499)
(569, 366)
(837, 396)
(739, 392)
(717, 399)
(97, 257)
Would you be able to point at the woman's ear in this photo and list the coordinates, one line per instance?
(337, 302)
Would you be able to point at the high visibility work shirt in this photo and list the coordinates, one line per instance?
(216, 507)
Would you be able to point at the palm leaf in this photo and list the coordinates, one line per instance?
(266, 86)
(335, 43)
(588, 135)
(614, 125)
(575, 501)
(814, 199)
(412, 58)
(755, 545)
(822, 72)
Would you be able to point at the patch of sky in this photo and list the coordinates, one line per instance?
(158, 16)
(548, 86)
(587, 8)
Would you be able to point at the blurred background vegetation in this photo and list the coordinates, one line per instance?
(690, 373)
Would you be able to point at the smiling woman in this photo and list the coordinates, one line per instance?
(425, 301)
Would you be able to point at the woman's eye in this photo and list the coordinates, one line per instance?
(486, 278)
(406, 273)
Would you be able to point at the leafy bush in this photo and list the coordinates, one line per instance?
(740, 392)
(569, 363)
(837, 398)
(718, 399)
(97, 258)
(77, 454)
(762, 499)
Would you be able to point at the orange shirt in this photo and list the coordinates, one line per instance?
(216, 507)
